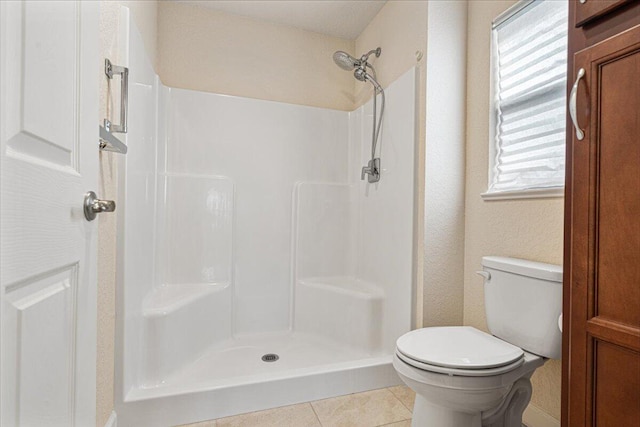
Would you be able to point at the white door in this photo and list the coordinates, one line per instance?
(49, 68)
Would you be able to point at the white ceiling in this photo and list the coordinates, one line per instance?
(338, 18)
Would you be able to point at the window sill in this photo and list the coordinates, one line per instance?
(539, 193)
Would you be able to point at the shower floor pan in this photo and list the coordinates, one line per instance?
(231, 378)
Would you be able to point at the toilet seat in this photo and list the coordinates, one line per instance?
(458, 350)
(460, 372)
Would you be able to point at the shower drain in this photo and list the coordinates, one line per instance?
(271, 357)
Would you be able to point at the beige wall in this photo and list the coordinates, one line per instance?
(400, 29)
(144, 14)
(212, 51)
(530, 229)
(444, 158)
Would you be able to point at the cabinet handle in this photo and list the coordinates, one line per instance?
(573, 105)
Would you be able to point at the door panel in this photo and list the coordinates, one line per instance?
(40, 321)
(618, 224)
(614, 386)
(604, 341)
(41, 133)
(41, 124)
(44, 67)
(49, 69)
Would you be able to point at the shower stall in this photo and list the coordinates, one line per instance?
(255, 268)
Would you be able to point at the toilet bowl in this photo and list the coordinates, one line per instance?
(464, 377)
(482, 391)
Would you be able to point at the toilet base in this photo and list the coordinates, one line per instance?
(508, 414)
(425, 414)
(464, 401)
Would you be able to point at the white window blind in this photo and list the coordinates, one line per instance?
(530, 66)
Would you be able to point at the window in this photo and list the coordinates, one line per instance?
(529, 67)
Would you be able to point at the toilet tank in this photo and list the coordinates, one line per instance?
(523, 301)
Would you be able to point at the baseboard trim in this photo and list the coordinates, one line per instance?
(113, 420)
(536, 417)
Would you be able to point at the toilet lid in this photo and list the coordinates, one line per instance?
(461, 347)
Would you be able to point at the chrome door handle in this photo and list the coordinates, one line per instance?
(93, 206)
(573, 105)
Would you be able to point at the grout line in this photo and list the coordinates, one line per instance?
(395, 422)
(400, 400)
(315, 413)
(408, 409)
(401, 404)
(390, 389)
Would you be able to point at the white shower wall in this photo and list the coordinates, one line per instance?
(263, 149)
(244, 225)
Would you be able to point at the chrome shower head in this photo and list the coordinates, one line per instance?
(345, 61)
(348, 63)
(360, 74)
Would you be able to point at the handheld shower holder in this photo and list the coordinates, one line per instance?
(372, 170)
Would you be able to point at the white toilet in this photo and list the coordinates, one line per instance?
(464, 377)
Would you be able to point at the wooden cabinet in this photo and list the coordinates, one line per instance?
(589, 10)
(601, 342)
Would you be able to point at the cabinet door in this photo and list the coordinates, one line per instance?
(604, 364)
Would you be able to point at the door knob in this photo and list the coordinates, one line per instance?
(93, 206)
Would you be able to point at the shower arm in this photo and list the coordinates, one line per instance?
(365, 57)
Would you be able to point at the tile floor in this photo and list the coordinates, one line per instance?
(389, 407)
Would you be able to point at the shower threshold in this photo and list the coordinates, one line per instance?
(231, 378)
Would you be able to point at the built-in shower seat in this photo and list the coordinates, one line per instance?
(180, 322)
